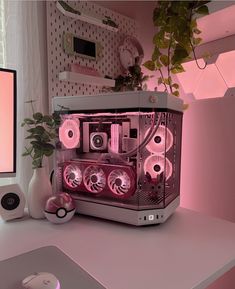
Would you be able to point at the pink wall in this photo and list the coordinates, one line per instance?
(208, 158)
(208, 152)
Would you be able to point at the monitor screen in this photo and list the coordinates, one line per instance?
(7, 122)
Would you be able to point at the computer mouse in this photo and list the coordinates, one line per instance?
(41, 280)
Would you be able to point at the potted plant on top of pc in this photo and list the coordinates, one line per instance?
(175, 40)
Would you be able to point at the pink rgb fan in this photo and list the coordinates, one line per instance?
(94, 179)
(161, 141)
(155, 165)
(72, 176)
(120, 183)
(69, 133)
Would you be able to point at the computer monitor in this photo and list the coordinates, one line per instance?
(7, 123)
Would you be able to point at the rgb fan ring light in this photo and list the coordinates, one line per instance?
(69, 133)
(162, 140)
(94, 179)
(120, 183)
(154, 165)
(72, 176)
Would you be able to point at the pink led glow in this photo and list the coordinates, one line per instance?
(155, 165)
(94, 179)
(120, 183)
(225, 64)
(211, 85)
(72, 176)
(69, 133)
(115, 137)
(162, 140)
(6, 122)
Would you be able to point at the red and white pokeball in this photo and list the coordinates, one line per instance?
(60, 208)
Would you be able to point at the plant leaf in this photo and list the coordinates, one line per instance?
(29, 121)
(159, 80)
(179, 55)
(38, 116)
(156, 53)
(175, 85)
(177, 69)
(149, 65)
(39, 130)
(203, 10)
(176, 93)
(197, 41)
(196, 31)
(164, 60)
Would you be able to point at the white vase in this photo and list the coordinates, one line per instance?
(39, 191)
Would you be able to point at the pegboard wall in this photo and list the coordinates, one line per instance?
(59, 61)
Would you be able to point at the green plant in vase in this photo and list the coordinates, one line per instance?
(175, 40)
(42, 131)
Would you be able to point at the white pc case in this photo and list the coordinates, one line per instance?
(118, 155)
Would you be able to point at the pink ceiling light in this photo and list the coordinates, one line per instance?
(189, 79)
(211, 84)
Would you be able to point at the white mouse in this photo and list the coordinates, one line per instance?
(41, 280)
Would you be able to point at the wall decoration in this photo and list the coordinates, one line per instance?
(58, 61)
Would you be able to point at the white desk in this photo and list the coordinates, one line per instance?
(189, 251)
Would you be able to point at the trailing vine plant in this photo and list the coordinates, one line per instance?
(176, 38)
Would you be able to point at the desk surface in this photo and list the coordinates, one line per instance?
(189, 251)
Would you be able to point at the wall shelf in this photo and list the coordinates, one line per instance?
(85, 18)
(86, 79)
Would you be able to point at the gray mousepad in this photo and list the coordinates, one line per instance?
(46, 259)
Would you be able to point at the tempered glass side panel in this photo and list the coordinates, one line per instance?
(125, 159)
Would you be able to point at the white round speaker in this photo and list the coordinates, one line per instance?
(12, 202)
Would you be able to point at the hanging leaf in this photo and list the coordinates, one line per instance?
(203, 10)
(159, 80)
(149, 65)
(158, 64)
(197, 41)
(164, 60)
(156, 53)
(167, 81)
(175, 85)
(196, 31)
(177, 69)
(176, 93)
(179, 55)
